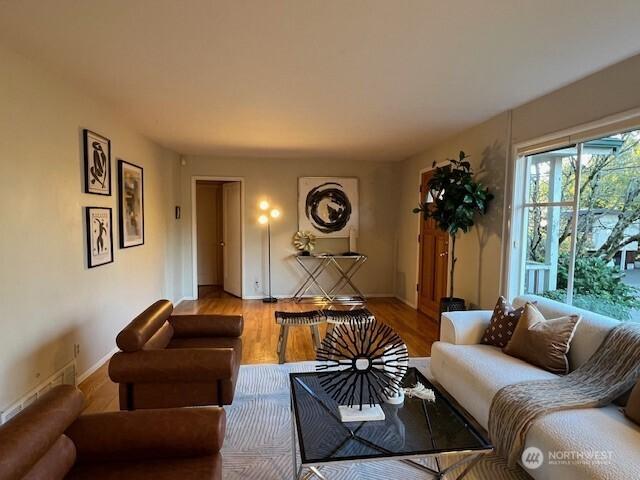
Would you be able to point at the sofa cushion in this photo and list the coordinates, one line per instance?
(199, 468)
(603, 432)
(142, 328)
(473, 374)
(590, 333)
(207, 325)
(541, 342)
(632, 409)
(160, 339)
(30, 435)
(56, 463)
(208, 342)
(503, 323)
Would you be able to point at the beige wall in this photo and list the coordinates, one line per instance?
(610, 91)
(478, 277)
(50, 300)
(478, 252)
(209, 208)
(277, 180)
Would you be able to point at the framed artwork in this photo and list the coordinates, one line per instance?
(131, 204)
(97, 163)
(328, 206)
(99, 236)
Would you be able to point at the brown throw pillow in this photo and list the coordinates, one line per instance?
(632, 410)
(541, 342)
(503, 323)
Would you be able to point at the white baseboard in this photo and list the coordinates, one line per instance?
(182, 300)
(81, 378)
(368, 295)
(406, 302)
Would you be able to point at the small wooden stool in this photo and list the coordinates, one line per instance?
(341, 317)
(296, 319)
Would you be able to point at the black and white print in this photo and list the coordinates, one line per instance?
(328, 207)
(99, 236)
(97, 163)
(131, 204)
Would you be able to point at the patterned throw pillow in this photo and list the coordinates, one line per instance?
(503, 323)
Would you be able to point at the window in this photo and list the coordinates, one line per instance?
(578, 224)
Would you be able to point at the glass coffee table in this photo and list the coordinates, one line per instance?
(414, 430)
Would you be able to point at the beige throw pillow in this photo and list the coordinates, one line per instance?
(541, 342)
(632, 410)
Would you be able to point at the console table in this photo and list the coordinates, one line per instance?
(315, 265)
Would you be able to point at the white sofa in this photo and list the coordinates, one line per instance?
(473, 373)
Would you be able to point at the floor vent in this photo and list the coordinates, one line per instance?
(66, 375)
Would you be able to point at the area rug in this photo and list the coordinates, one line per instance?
(257, 444)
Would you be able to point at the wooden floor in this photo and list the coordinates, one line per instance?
(261, 335)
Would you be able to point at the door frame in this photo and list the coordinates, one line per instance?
(419, 240)
(194, 229)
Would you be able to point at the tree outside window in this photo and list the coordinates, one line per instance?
(592, 263)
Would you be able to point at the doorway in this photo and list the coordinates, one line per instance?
(433, 259)
(217, 240)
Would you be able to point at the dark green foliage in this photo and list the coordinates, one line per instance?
(593, 303)
(598, 287)
(457, 197)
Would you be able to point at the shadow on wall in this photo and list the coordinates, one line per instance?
(490, 225)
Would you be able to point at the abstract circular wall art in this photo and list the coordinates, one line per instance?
(362, 364)
(328, 207)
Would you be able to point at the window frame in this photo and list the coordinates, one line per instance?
(574, 206)
(513, 273)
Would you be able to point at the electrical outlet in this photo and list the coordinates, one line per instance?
(256, 285)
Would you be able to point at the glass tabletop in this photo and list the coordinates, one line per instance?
(415, 428)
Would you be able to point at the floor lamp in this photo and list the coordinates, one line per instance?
(265, 219)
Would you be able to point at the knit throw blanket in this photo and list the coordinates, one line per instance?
(610, 372)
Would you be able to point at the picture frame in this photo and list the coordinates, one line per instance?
(97, 163)
(130, 204)
(99, 225)
(328, 207)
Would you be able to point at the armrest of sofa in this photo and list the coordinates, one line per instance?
(148, 434)
(190, 326)
(184, 365)
(464, 327)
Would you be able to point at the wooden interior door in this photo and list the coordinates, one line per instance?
(433, 261)
(232, 235)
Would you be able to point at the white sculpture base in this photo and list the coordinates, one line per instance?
(367, 414)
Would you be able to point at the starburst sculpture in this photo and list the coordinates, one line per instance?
(362, 363)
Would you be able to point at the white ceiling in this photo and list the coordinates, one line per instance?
(367, 79)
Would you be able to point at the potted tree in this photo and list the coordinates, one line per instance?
(453, 200)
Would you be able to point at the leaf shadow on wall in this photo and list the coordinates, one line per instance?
(491, 172)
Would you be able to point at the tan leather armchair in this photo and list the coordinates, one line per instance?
(51, 440)
(177, 360)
